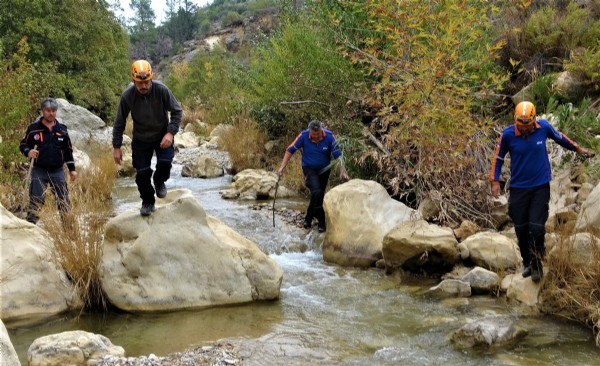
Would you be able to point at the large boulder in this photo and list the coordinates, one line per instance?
(179, 258)
(203, 166)
(8, 355)
(589, 216)
(84, 126)
(416, 245)
(72, 348)
(31, 283)
(186, 139)
(252, 184)
(491, 250)
(358, 215)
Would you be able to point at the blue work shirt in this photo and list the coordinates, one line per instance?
(529, 162)
(315, 154)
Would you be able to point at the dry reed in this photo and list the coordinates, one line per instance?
(572, 286)
(78, 235)
(245, 144)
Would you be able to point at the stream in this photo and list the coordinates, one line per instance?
(326, 314)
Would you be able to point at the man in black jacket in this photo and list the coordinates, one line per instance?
(47, 142)
(149, 102)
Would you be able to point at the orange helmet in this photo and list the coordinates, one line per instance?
(524, 113)
(141, 70)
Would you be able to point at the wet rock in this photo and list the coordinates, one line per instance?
(488, 332)
(451, 288)
(8, 355)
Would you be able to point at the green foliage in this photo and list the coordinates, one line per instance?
(209, 81)
(541, 91)
(142, 32)
(22, 87)
(544, 37)
(90, 62)
(258, 5)
(432, 66)
(584, 65)
(578, 122)
(231, 18)
(297, 77)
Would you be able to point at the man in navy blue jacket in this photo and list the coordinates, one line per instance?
(318, 146)
(530, 176)
(47, 142)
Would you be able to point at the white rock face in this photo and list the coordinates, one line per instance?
(358, 215)
(74, 348)
(32, 284)
(8, 355)
(179, 258)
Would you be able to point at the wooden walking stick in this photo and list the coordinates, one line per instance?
(275, 197)
(28, 181)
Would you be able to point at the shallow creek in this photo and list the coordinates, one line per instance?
(327, 315)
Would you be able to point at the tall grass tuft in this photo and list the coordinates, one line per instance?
(78, 235)
(245, 144)
(572, 286)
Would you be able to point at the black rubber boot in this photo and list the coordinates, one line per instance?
(537, 269)
(527, 271)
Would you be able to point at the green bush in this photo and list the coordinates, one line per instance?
(577, 121)
(90, 64)
(22, 87)
(210, 82)
(231, 17)
(297, 76)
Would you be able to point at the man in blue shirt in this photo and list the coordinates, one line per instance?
(530, 176)
(318, 146)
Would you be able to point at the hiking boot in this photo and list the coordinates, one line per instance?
(527, 271)
(322, 227)
(307, 223)
(161, 190)
(147, 209)
(537, 272)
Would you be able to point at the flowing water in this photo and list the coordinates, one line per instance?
(326, 315)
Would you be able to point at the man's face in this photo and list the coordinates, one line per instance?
(525, 130)
(315, 135)
(49, 114)
(143, 87)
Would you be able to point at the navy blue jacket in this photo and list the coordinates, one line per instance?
(53, 144)
(529, 162)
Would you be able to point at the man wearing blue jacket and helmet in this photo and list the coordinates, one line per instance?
(530, 176)
(318, 146)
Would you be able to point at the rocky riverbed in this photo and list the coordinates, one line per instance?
(215, 354)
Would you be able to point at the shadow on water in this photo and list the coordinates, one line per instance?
(326, 315)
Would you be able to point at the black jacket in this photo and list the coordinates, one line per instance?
(150, 114)
(54, 145)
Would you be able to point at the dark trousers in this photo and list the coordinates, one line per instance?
(317, 184)
(40, 179)
(528, 209)
(142, 158)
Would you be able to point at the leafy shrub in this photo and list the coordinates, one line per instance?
(86, 65)
(22, 87)
(432, 69)
(209, 82)
(297, 77)
(578, 122)
(231, 18)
